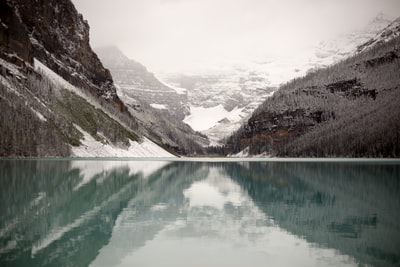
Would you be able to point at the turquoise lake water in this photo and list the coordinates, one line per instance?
(199, 213)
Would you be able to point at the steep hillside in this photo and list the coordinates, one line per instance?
(59, 38)
(137, 83)
(349, 109)
(222, 97)
(56, 97)
(158, 108)
(388, 33)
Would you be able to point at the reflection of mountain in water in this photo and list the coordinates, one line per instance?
(44, 215)
(158, 202)
(63, 213)
(46, 220)
(352, 207)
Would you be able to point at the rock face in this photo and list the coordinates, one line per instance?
(57, 35)
(14, 37)
(136, 82)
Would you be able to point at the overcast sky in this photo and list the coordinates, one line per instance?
(176, 35)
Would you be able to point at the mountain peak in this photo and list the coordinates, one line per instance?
(382, 17)
(386, 34)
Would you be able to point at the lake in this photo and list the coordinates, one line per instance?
(199, 213)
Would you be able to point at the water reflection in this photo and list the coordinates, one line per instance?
(124, 213)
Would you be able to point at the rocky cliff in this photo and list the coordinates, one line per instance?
(15, 45)
(56, 98)
(57, 35)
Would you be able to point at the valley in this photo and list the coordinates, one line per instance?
(96, 103)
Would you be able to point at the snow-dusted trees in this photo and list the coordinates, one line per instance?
(24, 131)
(348, 109)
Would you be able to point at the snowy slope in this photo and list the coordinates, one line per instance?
(385, 35)
(91, 147)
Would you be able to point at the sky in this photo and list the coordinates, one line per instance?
(181, 35)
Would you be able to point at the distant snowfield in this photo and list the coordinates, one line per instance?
(202, 119)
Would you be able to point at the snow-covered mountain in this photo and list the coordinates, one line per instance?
(331, 51)
(222, 99)
(388, 33)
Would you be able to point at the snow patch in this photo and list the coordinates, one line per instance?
(179, 90)
(56, 79)
(39, 115)
(202, 118)
(158, 106)
(92, 148)
(242, 154)
(245, 153)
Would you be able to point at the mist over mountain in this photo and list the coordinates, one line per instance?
(348, 109)
(222, 97)
(58, 99)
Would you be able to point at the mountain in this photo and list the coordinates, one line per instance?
(334, 50)
(58, 36)
(385, 35)
(159, 108)
(348, 109)
(57, 99)
(137, 83)
(221, 99)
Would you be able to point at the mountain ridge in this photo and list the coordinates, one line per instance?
(349, 109)
(66, 101)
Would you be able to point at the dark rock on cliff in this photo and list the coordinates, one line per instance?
(59, 37)
(385, 59)
(15, 45)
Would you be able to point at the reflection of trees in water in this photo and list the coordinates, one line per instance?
(347, 206)
(39, 202)
(352, 207)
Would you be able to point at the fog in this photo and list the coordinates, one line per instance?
(181, 35)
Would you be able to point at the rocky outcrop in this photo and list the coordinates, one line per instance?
(268, 131)
(59, 37)
(387, 58)
(351, 89)
(15, 45)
